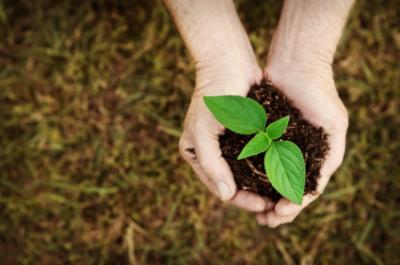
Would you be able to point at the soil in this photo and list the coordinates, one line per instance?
(249, 173)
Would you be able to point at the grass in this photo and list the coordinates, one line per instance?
(92, 97)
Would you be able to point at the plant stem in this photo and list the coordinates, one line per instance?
(256, 171)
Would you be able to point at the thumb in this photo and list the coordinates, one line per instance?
(214, 165)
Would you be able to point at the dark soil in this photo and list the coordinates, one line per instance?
(249, 173)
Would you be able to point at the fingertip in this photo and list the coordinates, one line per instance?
(284, 207)
(271, 220)
(219, 173)
(250, 201)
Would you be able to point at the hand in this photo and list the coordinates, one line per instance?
(312, 90)
(299, 64)
(199, 143)
(225, 64)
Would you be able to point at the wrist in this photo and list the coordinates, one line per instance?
(301, 55)
(229, 78)
(216, 39)
(290, 45)
(308, 32)
(229, 63)
(304, 69)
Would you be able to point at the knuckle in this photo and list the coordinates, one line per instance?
(183, 149)
(182, 145)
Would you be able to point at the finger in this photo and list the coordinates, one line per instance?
(212, 163)
(251, 202)
(188, 153)
(286, 208)
(243, 199)
(334, 157)
(204, 178)
(284, 211)
(186, 148)
(272, 220)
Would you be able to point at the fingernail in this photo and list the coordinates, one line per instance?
(224, 191)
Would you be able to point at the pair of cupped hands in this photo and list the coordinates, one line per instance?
(298, 64)
(311, 89)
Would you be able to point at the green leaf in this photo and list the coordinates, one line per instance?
(277, 128)
(258, 144)
(239, 114)
(284, 164)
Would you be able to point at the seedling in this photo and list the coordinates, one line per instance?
(283, 160)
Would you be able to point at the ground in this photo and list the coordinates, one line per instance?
(92, 98)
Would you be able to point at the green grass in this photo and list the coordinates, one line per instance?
(92, 97)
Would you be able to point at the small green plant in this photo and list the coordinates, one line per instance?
(283, 160)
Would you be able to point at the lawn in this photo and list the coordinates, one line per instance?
(92, 98)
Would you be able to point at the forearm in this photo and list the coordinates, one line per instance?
(308, 32)
(214, 35)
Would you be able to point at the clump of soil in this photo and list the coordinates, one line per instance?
(249, 173)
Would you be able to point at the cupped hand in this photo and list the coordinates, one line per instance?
(199, 144)
(311, 89)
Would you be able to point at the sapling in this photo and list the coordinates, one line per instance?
(283, 160)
